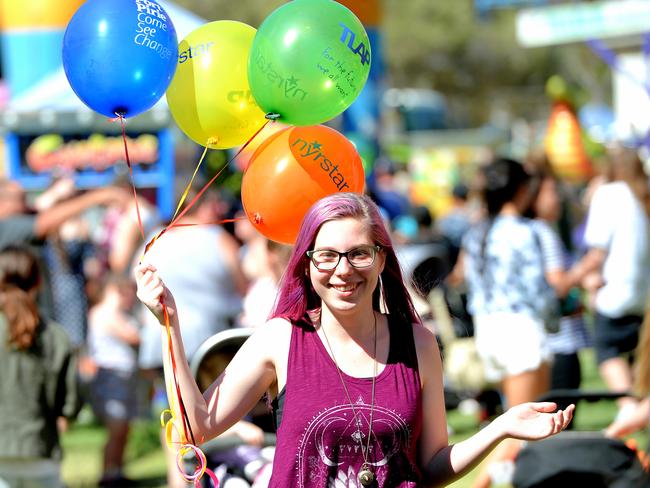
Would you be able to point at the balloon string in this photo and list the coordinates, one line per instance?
(172, 423)
(176, 219)
(186, 424)
(174, 222)
(212, 180)
(128, 163)
(187, 427)
(217, 222)
(196, 170)
(185, 446)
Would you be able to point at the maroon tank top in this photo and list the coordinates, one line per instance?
(318, 438)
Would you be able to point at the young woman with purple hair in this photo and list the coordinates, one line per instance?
(356, 379)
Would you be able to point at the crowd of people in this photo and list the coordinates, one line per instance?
(548, 269)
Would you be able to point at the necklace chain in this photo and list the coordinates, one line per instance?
(347, 393)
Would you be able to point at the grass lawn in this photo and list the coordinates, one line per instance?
(83, 444)
(83, 449)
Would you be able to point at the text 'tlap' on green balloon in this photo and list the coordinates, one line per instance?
(209, 96)
(309, 61)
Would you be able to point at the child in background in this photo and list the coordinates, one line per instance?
(245, 462)
(38, 381)
(112, 341)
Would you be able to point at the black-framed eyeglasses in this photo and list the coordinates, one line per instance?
(329, 259)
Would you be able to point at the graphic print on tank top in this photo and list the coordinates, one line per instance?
(339, 443)
(318, 438)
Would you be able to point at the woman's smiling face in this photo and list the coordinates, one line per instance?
(345, 287)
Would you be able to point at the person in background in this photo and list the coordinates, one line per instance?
(116, 234)
(509, 297)
(254, 251)
(454, 224)
(123, 232)
(65, 252)
(618, 237)
(416, 227)
(112, 345)
(38, 383)
(242, 462)
(502, 264)
(572, 334)
(382, 422)
(21, 225)
(259, 300)
(383, 185)
(639, 418)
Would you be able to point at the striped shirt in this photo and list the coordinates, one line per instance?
(572, 335)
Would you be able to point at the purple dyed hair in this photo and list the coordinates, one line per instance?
(296, 296)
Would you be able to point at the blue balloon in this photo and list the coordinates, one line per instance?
(120, 55)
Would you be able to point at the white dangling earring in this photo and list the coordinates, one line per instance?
(383, 308)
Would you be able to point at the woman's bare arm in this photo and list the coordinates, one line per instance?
(251, 372)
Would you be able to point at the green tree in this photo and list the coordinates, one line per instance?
(443, 45)
(251, 12)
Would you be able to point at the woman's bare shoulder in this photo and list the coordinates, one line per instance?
(277, 326)
(426, 344)
(272, 342)
(274, 335)
(423, 336)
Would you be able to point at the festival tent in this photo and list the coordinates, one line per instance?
(47, 126)
(51, 103)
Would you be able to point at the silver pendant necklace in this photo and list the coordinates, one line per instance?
(366, 475)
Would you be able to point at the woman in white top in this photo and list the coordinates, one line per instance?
(618, 237)
(502, 262)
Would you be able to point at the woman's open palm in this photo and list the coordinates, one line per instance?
(534, 421)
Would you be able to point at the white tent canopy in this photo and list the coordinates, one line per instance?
(52, 98)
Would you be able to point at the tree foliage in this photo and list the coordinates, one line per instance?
(251, 12)
(444, 45)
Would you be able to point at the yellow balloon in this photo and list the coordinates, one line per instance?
(209, 96)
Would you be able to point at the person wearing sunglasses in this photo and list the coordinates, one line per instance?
(356, 380)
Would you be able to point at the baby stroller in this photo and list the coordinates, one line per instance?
(576, 459)
(234, 462)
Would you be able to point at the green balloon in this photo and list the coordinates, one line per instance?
(309, 61)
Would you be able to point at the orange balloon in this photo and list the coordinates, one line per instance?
(290, 171)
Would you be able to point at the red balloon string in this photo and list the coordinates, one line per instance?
(128, 163)
(212, 180)
(192, 202)
(186, 423)
(187, 427)
(218, 222)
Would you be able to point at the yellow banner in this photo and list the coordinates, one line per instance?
(37, 14)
